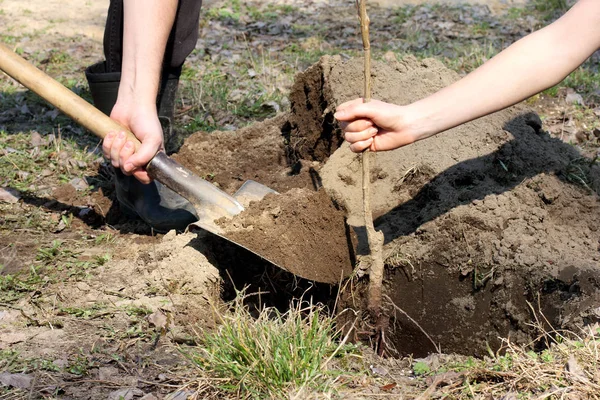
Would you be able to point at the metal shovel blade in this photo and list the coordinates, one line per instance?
(252, 191)
(248, 192)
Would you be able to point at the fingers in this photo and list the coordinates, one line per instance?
(142, 176)
(122, 154)
(356, 125)
(366, 134)
(344, 111)
(112, 146)
(126, 152)
(145, 153)
(107, 144)
(357, 109)
(360, 146)
(117, 145)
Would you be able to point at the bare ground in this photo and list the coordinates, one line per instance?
(90, 320)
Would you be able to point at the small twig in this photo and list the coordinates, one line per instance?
(117, 294)
(375, 238)
(431, 389)
(11, 306)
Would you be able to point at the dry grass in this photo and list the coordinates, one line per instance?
(567, 368)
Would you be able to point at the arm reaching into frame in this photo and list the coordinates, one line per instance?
(532, 64)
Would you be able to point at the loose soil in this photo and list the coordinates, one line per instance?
(302, 231)
(479, 222)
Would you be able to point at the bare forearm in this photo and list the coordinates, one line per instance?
(147, 25)
(529, 66)
(146, 30)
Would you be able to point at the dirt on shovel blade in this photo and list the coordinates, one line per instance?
(301, 230)
(480, 222)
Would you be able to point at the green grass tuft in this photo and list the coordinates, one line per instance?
(274, 354)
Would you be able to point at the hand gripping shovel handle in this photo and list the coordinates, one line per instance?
(200, 193)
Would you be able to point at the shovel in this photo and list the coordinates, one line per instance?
(210, 202)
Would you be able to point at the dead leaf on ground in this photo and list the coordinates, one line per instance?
(19, 381)
(9, 195)
(159, 319)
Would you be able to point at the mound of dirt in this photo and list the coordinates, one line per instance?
(479, 222)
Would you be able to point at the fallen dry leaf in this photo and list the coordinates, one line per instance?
(19, 381)
(159, 319)
(8, 195)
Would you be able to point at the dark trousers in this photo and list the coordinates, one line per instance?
(182, 39)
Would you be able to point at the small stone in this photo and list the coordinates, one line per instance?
(62, 225)
(105, 373)
(84, 212)
(377, 370)
(22, 175)
(149, 396)
(8, 195)
(125, 394)
(575, 371)
(271, 106)
(581, 136)
(79, 183)
(179, 395)
(60, 363)
(574, 98)
(390, 56)
(52, 114)
(158, 319)
(46, 172)
(36, 139)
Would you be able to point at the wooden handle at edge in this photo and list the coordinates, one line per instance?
(59, 96)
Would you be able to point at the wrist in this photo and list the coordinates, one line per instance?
(135, 101)
(417, 121)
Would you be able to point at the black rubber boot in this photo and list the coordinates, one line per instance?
(154, 203)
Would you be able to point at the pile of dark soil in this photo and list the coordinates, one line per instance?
(484, 224)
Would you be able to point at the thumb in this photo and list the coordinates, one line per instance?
(143, 155)
(356, 109)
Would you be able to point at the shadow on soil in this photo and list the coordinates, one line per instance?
(241, 269)
(521, 158)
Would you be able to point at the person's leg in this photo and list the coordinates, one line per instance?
(154, 203)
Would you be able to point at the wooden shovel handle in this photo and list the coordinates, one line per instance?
(59, 96)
